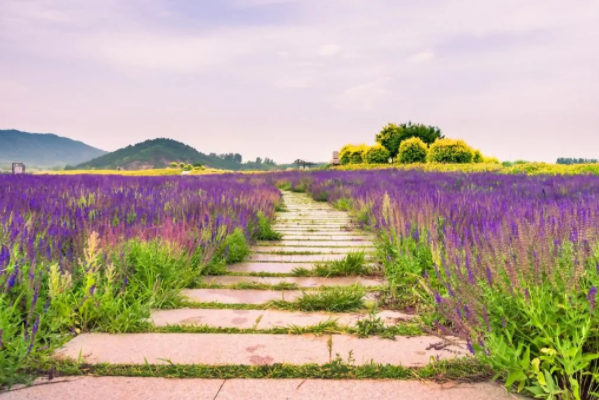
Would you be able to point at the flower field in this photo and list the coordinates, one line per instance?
(84, 253)
(508, 262)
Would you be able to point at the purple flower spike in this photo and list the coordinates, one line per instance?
(591, 297)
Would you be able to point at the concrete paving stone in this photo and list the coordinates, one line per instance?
(314, 230)
(301, 282)
(315, 389)
(407, 351)
(295, 258)
(243, 349)
(318, 243)
(182, 348)
(117, 388)
(262, 319)
(233, 296)
(335, 237)
(316, 235)
(283, 268)
(242, 319)
(320, 250)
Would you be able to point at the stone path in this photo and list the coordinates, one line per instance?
(319, 233)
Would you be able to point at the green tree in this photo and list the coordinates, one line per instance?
(477, 157)
(344, 154)
(450, 151)
(412, 150)
(392, 135)
(376, 154)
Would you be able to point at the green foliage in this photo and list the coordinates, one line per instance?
(264, 230)
(450, 151)
(572, 161)
(333, 299)
(392, 135)
(412, 150)
(477, 156)
(353, 264)
(544, 342)
(352, 154)
(376, 154)
(344, 154)
(236, 247)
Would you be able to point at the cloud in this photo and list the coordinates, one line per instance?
(293, 83)
(329, 50)
(422, 57)
(364, 96)
(500, 70)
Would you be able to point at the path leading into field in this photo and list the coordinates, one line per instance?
(318, 233)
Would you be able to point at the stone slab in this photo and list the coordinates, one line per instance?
(320, 250)
(300, 282)
(125, 388)
(242, 319)
(263, 319)
(319, 243)
(232, 296)
(243, 349)
(117, 388)
(415, 350)
(318, 234)
(189, 348)
(314, 389)
(283, 268)
(295, 258)
(335, 237)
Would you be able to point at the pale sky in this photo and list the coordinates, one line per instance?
(298, 79)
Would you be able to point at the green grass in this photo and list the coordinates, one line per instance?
(332, 299)
(339, 368)
(265, 230)
(352, 265)
(326, 327)
(278, 286)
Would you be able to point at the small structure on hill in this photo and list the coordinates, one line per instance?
(335, 160)
(301, 164)
(18, 168)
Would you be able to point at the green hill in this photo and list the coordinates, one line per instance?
(159, 153)
(43, 149)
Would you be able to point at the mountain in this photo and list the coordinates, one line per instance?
(43, 149)
(156, 153)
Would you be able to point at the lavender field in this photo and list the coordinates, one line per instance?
(84, 253)
(509, 263)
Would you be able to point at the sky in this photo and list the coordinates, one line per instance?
(289, 79)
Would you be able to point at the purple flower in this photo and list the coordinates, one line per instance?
(470, 347)
(591, 297)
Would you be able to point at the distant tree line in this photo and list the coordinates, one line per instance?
(571, 161)
(235, 157)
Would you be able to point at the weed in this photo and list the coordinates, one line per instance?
(440, 371)
(333, 299)
(265, 230)
(353, 264)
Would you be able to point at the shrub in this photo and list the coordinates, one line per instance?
(392, 135)
(491, 160)
(174, 164)
(376, 154)
(477, 156)
(182, 165)
(344, 154)
(236, 247)
(450, 151)
(412, 150)
(357, 154)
